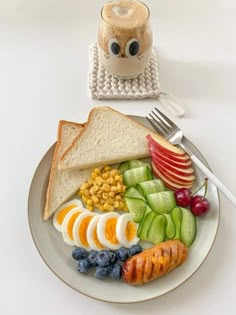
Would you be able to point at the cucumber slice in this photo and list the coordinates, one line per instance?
(151, 186)
(176, 215)
(157, 230)
(188, 228)
(136, 175)
(143, 234)
(150, 175)
(136, 208)
(124, 166)
(136, 164)
(170, 227)
(134, 193)
(161, 202)
(147, 210)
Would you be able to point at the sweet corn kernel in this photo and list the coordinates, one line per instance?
(121, 205)
(106, 188)
(118, 197)
(118, 178)
(108, 207)
(110, 201)
(98, 181)
(112, 194)
(113, 173)
(105, 175)
(107, 168)
(86, 192)
(95, 199)
(113, 188)
(89, 202)
(105, 195)
(84, 186)
(110, 181)
(90, 208)
(116, 204)
(97, 171)
(101, 208)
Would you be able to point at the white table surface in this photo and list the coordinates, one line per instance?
(43, 78)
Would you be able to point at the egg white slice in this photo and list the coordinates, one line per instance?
(68, 224)
(80, 229)
(62, 211)
(106, 230)
(92, 236)
(126, 230)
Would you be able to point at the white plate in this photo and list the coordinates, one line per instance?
(57, 255)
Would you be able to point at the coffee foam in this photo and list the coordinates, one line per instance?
(125, 13)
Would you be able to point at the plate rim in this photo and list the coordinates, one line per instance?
(110, 301)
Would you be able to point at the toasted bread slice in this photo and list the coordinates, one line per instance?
(108, 137)
(63, 184)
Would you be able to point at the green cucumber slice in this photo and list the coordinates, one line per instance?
(176, 215)
(157, 230)
(151, 186)
(136, 208)
(134, 193)
(188, 228)
(161, 202)
(124, 166)
(170, 227)
(143, 233)
(147, 210)
(136, 164)
(136, 175)
(150, 175)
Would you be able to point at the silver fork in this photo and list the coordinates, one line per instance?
(164, 126)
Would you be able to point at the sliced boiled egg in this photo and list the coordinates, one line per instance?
(126, 230)
(68, 224)
(106, 230)
(80, 229)
(62, 212)
(92, 236)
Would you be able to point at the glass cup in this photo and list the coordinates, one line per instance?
(124, 38)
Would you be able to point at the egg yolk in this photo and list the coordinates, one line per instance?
(71, 224)
(83, 230)
(96, 240)
(110, 230)
(130, 231)
(61, 215)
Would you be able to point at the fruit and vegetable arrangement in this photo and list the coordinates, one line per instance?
(133, 206)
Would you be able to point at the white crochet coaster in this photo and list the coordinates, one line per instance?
(102, 85)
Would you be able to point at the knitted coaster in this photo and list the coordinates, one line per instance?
(102, 85)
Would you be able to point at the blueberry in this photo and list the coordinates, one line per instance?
(83, 265)
(104, 258)
(79, 253)
(113, 257)
(92, 257)
(116, 272)
(102, 272)
(122, 253)
(135, 249)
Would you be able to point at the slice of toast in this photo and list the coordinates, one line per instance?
(108, 137)
(63, 184)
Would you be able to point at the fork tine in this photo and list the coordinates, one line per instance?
(163, 116)
(156, 126)
(163, 124)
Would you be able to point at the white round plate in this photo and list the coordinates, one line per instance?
(57, 255)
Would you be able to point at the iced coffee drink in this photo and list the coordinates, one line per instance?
(125, 38)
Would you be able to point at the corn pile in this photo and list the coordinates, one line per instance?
(104, 190)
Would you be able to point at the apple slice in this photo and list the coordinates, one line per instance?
(178, 178)
(165, 146)
(185, 163)
(168, 182)
(179, 171)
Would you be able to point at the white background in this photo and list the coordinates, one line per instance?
(43, 78)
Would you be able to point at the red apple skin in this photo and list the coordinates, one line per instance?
(183, 164)
(170, 182)
(162, 148)
(178, 171)
(178, 178)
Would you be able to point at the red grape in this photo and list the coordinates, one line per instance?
(199, 205)
(183, 197)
